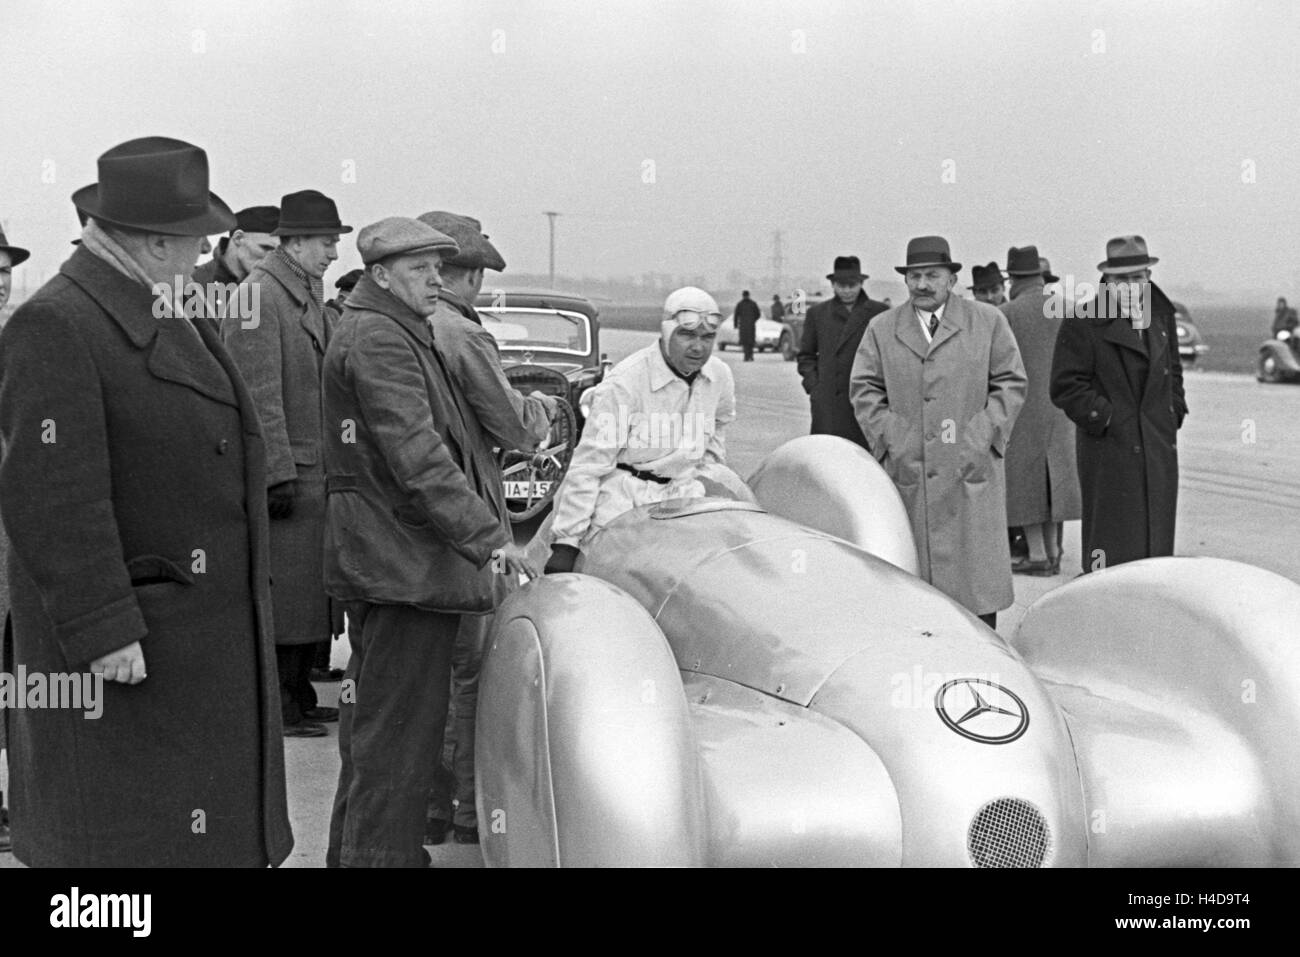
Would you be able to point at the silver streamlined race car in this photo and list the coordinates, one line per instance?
(663, 708)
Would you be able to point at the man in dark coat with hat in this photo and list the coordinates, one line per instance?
(133, 490)
(1042, 478)
(235, 256)
(342, 287)
(280, 353)
(1117, 375)
(937, 385)
(412, 542)
(746, 318)
(496, 415)
(832, 332)
(987, 284)
(10, 256)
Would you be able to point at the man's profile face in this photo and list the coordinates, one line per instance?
(251, 248)
(414, 279)
(314, 253)
(689, 349)
(182, 252)
(847, 291)
(6, 278)
(928, 287)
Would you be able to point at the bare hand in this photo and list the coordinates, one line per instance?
(513, 559)
(125, 665)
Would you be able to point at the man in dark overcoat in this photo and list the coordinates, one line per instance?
(1117, 375)
(1042, 478)
(280, 352)
(832, 332)
(133, 490)
(747, 315)
(411, 540)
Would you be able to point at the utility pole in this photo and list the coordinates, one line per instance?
(551, 216)
(777, 259)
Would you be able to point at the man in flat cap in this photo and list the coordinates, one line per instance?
(280, 352)
(831, 333)
(1116, 373)
(937, 385)
(133, 490)
(654, 432)
(412, 541)
(496, 415)
(988, 284)
(10, 256)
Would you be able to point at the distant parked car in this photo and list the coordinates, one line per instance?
(769, 336)
(550, 342)
(1191, 346)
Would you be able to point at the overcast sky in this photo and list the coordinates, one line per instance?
(678, 137)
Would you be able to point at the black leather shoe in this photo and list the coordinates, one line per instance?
(435, 830)
(321, 714)
(466, 835)
(305, 729)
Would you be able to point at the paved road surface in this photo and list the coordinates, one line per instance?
(1239, 499)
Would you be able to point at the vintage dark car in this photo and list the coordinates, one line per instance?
(1191, 346)
(550, 342)
(1279, 358)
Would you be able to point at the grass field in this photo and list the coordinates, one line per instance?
(1233, 333)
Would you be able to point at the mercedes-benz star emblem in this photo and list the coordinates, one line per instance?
(981, 710)
(528, 358)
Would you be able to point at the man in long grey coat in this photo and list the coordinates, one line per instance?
(280, 352)
(496, 415)
(133, 490)
(936, 385)
(1042, 478)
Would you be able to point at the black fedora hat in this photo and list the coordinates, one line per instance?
(1047, 271)
(16, 253)
(156, 184)
(258, 219)
(928, 251)
(1023, 261)
(847, 269)
(1126, 254)
(984, 277)
(309, 213)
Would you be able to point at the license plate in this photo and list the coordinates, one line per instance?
(521, 489)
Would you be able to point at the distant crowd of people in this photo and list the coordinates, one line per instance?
(198, 498)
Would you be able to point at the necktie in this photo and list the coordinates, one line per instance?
(934, 323)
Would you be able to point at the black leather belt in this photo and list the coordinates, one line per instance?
(644, 476)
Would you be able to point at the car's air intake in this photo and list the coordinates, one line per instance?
(1008, 832)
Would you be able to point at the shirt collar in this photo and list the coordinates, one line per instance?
(661, 374)
(938, 313)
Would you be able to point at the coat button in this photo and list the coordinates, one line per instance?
(1092, 415)
(1137, 448)
(222, 446)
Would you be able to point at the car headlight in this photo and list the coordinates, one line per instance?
(584, 402)
(1182, 332)
(1283, 335)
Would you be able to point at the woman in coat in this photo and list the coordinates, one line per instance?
(1042, 478)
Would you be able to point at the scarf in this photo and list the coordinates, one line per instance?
(314, 286)
(101, 244)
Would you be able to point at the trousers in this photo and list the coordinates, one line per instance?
(458, 746)
(392, 713)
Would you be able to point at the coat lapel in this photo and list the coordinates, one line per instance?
(908, 331)
(181, 355)
(956, 317)
(1121, 332)
(857, 321)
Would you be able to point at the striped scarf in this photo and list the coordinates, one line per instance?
(315, 286)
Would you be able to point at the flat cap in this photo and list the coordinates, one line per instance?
(400, 236)
(475, 250)
(258, 219)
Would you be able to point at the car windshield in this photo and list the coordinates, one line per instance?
(537, 329)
